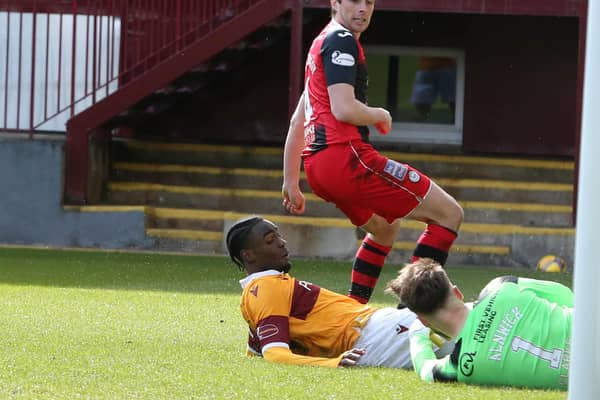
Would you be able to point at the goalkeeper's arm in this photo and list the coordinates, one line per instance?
(426, 365)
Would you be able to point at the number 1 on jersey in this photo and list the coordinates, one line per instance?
(553, 357)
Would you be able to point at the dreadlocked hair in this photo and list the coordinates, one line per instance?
(236, 238)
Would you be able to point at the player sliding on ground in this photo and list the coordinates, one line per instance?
(516, 334)
(297, 322)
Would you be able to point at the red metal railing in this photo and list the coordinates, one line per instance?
(61, 57)
(166, 39)
(80, 62)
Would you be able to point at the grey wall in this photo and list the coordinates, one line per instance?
(30, 202)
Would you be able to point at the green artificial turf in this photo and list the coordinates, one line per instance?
(106, 325)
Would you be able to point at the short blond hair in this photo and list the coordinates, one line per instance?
(422, 286)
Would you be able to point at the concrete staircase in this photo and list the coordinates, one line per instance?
(516, 209)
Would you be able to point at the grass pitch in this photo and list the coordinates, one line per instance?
(104, 325)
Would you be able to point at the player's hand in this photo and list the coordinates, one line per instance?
(384, 125)
(351, 357)
(293, 200)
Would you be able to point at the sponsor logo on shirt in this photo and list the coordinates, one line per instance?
(344, 34)
(267, 331)
(395, 169)
(342, 59)
(466, 363)
(306, 285)
(487, 318)
(414, 176)
(401, 329)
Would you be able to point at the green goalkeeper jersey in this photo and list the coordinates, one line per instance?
(518, 334)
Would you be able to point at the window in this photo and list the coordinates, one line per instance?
(423, 88)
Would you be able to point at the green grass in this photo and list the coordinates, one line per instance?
(103, 325)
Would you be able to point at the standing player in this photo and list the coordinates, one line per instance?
(329, 133)
(517, 333)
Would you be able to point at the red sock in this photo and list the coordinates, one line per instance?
(434, 243)
(366, 269)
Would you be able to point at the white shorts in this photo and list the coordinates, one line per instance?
(385, 339)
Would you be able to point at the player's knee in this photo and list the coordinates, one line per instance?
(382, 231)
(453, 215)
(459, 214)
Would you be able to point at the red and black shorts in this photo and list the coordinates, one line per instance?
(362, 182)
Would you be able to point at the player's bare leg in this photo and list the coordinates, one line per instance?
(443, 216)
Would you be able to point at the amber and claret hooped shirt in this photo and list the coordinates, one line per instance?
(282, 311)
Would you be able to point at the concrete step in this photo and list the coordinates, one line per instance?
(489, 167)
(320, 237)
(324, 237)
(495, 217)
(435, 165)
(480, 244)
(270, 179)
(212, 243)
(201, 175)
(516, 209)
(485, 234)
(197, 154)
(193, 197)
(267, 201)
(512, 191)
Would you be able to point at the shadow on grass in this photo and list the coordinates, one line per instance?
(200, 274)
(118, 271)
(141, 271)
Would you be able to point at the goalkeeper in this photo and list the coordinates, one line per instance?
(297, 322)
(516, 334)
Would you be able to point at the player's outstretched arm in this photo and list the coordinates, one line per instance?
(424, 360)
(280, 354)
(293, 199)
